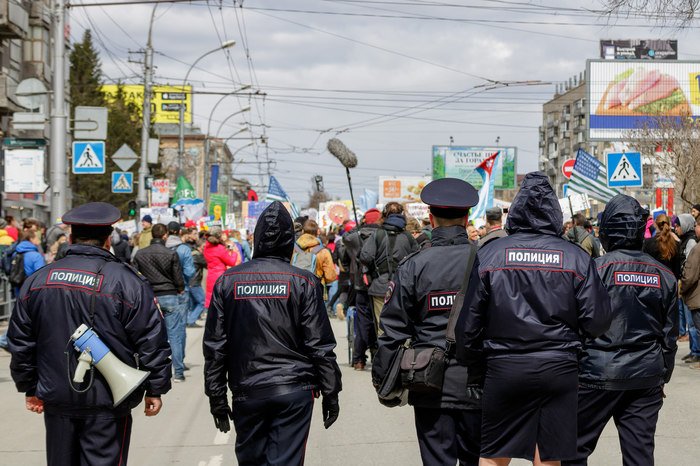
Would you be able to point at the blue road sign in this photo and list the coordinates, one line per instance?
(88, 157)
(122, 182)
(624, 169)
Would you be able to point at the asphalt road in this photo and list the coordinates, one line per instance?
(365, 434)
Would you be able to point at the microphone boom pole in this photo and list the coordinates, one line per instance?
(349, 160)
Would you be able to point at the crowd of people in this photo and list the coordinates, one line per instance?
(540, 330)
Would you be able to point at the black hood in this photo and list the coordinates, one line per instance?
(396, 220)
(274, 233)
(622, 224)
(535, 208)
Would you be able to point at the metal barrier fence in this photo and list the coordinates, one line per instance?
(7, 300)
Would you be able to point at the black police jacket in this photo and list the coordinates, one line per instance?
(639, 348)
(417, 307)
(51, 305)
(536, 292)
(161, 266)
(267, 331)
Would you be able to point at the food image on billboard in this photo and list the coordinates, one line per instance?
(624, 96)
(460, 162)
(401, 189)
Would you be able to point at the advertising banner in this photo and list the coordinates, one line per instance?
(461, 162)
(639, 49)
(165, 100)
(624, 95)
(401, 189)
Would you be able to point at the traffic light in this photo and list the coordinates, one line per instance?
(132, 208)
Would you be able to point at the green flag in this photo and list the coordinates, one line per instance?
(184, 190)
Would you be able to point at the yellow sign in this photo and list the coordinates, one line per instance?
(165, 100)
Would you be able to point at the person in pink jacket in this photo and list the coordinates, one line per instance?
(219, 258)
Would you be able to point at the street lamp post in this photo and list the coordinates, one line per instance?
(181, 141)
(247, 109)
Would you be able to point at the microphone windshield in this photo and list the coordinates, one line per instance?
(342, 153)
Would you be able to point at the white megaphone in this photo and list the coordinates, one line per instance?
(122, 379)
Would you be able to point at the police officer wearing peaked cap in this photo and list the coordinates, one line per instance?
(88, 286)
(417, 308)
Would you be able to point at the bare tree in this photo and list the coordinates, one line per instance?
(680, 12)
(674, 145)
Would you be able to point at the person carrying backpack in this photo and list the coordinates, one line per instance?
(25, 259)
(381, 254)
(309, 254)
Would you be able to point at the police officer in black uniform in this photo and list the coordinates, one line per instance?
(535, 295)
(623, 371)
(269, 340)
(417, 307)
(89, 286)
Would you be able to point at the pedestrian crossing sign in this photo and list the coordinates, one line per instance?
(88, 157)
(122, 182)
(624, 169)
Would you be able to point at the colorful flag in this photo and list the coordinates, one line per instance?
(184, 193)
(276, 193)
(486, 191)
(590, 176)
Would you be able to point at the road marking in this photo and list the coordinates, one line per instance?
(221, 438)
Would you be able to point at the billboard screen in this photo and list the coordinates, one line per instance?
(165, 100)
(624, 95)
(460, 162)
(401, 189)
(639, 49)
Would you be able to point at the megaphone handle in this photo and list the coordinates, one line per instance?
(84, 362)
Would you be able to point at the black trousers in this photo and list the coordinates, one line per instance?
(365, 336)
(273, 431)
(635, 413)
(73, 441)
(448, 435)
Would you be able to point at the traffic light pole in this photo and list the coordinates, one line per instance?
(58, 116)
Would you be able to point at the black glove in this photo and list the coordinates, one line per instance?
(331, 408)
(220, 410)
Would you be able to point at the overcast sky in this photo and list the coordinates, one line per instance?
(389, 78)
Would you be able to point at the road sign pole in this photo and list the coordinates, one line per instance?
(146, 130)
(58, 116)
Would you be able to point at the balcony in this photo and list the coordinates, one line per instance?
(566, 134)
(14, 20)
(566, 117)
(8, 86)
(579, 111)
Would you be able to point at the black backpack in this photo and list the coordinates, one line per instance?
(17, 275)
(7, 258)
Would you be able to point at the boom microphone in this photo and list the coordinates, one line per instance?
(342, 153)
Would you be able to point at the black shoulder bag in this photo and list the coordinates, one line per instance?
(423, 366)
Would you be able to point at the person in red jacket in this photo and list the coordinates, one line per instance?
(219, 258)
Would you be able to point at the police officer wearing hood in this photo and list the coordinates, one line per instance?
(269, 340)
(89, 286)
(535, 297)
(622, 372)
(417, 307)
